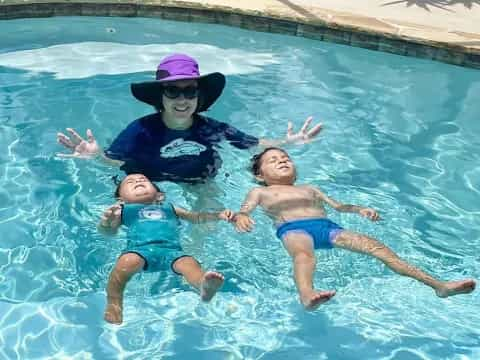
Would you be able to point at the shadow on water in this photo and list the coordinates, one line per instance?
(397, 164)
(342, 342)
(398, 159)
(317, 338)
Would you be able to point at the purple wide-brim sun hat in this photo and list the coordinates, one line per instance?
(180, 67)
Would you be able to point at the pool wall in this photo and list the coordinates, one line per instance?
(313, 27)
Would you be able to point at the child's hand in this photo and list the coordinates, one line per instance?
(227, 215)
(111, 218)
(243, 222)
(369, 213)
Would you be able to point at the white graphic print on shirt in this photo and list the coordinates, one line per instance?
(180, 147)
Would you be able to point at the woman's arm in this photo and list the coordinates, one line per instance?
(84, 149)
(241, 140)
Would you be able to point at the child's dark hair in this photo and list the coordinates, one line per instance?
(256, 159)
(118, 182)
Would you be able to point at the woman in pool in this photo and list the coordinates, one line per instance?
(175, 143)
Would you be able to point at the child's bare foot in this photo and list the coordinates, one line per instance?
(113, 312)
(211, 282)
(314, 299)
(456, 287)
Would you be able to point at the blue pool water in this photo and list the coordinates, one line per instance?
(401, 135)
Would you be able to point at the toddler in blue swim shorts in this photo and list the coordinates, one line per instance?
(302, 226)
(153, 240)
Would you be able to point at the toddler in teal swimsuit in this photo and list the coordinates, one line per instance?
(153, 241)
(302, 226)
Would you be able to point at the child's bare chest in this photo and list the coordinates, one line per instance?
(284, 198)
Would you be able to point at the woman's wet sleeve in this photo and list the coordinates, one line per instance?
(124, 144)
(238, 138)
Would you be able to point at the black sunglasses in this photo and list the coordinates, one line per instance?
(173, 92)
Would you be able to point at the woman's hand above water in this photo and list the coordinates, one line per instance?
(81, 148)
(305, 134)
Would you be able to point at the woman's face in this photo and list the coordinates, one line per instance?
(180, 100)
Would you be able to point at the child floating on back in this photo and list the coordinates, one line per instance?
(303, 227)
(153, 241)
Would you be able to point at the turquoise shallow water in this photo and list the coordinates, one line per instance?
(401, 135)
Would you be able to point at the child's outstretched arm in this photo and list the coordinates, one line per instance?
(243, 221)
(201, 217)
(111, 220)
(367, 212)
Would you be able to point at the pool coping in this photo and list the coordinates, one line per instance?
(355, 31)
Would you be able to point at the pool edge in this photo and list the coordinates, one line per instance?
(376, 37)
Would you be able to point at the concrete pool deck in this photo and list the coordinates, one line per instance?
(442, 30)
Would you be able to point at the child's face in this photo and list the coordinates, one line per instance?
(276, 167)
(137, 188)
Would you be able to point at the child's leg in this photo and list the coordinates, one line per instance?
(300, 248)
(127, 265)
(207, 283)
(364, 244)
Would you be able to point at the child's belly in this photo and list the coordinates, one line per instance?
(301, 213)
